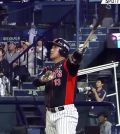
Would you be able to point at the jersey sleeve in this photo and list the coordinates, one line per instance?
(71, 68)
(103, 95)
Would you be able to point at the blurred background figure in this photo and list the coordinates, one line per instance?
(23, 73)
(4, 74)
(108, 21)
(98, 94)
(20, 48)
(4, 64)
(105, 126)
(41, 53)
(10, 55)
(29, 57)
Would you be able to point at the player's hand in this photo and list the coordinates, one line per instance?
(47, 76)
(36, 83)
(93, 90)
(82, 48)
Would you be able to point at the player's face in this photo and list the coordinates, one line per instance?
(101, 119)
(99, 84)
(54, 52)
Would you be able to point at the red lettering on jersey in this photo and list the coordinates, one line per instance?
(59, 73)
(57, 82)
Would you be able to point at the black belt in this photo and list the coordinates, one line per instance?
(54, 110)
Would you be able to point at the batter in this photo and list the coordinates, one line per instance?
(60, 87)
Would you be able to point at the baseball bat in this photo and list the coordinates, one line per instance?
(106, 10)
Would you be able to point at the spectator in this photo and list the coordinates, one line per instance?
(4, 65)
(23, 74)
(3, 45)
(12, 54)
(22, 41)
(98, 94)
(20, 49)
(4, 72)
(30, 57)
(40, 54)
(105, 126)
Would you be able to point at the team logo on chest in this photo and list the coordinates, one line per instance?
(57, 74)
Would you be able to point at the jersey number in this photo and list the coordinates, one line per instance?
(57, 82)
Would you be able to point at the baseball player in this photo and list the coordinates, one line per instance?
(60, 87)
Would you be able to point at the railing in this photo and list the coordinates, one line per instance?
(113, 66)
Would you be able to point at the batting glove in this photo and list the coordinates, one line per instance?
(82, 49)
(48, 76)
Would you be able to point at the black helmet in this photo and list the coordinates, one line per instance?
(63, 44)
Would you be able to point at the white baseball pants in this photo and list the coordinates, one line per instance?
(62, 122)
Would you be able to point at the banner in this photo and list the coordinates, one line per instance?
(16, 35)
(72, 44)
(9, 39)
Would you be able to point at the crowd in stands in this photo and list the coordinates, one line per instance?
(23, 68)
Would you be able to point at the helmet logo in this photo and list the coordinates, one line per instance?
(66, 47)
(55, 40)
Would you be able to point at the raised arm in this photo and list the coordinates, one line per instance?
(72, 64)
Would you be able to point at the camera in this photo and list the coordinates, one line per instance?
(88, 93)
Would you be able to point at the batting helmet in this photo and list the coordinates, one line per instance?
(63, 44)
